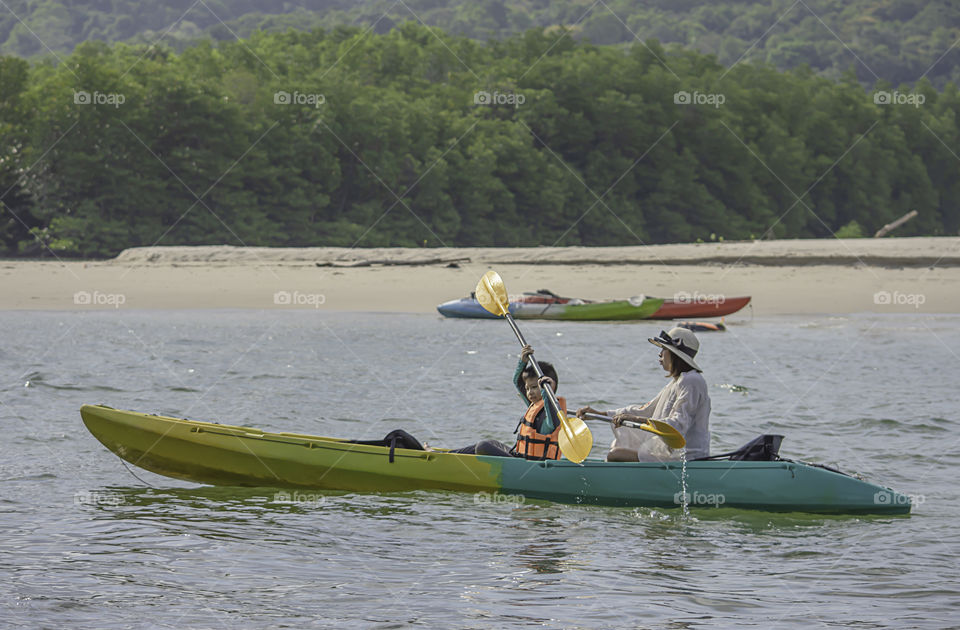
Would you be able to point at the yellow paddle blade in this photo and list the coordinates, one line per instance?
(670, 436)
(492, 295)
(575, 439)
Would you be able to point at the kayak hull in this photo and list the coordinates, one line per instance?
(689, 309)
(616, 310)
(219, 454)
(216, 454)
(612, 310)
(467, 308)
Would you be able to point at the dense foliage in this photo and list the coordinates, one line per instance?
(894, 40)
(578, 144)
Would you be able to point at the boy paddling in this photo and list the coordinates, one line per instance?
(538, 428)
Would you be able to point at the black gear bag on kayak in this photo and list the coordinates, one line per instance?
(398, 438)
(763, 448)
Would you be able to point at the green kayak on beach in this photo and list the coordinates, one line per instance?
(226, 455)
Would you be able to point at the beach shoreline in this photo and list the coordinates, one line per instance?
(913, 252)
(783, 277)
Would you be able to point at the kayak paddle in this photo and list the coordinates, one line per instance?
(672, 437)
(574, 439)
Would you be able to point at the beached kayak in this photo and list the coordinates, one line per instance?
(222, 454)
(547, 305)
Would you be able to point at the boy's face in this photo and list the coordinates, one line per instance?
(533, 388)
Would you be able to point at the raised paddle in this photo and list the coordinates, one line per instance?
(672, 437)
(574, 439)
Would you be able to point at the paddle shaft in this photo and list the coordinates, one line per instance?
(533, 362)
(626, 423)
(670, 436)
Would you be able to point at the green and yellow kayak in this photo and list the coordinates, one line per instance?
(220, 454)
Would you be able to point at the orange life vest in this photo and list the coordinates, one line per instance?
(533, 445)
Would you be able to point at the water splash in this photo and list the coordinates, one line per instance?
(684, 497)
(740, 389)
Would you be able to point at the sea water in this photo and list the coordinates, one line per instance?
(85, 544)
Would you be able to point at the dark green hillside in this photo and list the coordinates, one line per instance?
(894, 40)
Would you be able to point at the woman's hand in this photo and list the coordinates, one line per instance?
(620, 418)
(526, 352)
(585, 410)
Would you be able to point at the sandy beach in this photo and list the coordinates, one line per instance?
(784, 277)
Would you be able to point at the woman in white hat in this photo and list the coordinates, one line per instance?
(684, 403)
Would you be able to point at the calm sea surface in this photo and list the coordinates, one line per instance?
(86, 544)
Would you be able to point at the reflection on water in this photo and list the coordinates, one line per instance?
(543, 557)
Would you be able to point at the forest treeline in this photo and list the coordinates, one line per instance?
(414, 137)
(898, 41)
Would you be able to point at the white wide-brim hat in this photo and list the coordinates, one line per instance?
(681, 342)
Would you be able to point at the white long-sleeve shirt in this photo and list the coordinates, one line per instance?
(684, 403)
